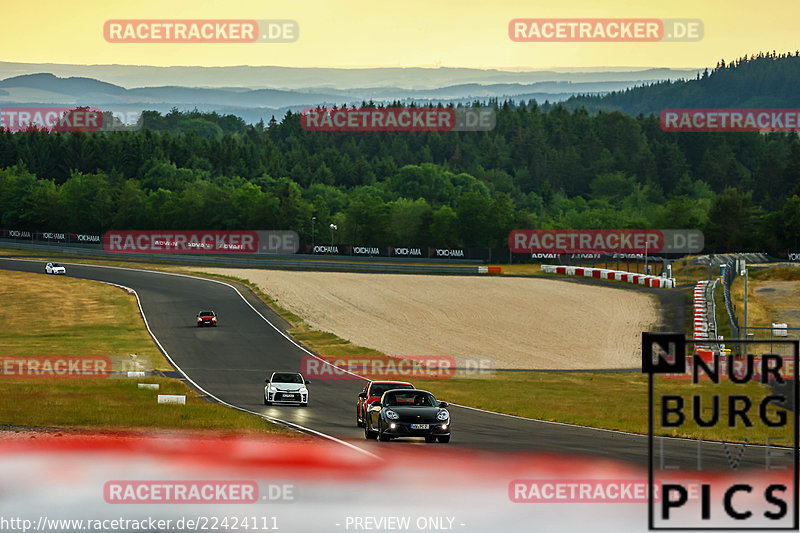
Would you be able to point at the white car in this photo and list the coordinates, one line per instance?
(54, 268)
(286, 387)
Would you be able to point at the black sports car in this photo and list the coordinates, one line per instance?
(408, 413)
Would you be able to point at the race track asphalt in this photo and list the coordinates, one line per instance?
(232, 360)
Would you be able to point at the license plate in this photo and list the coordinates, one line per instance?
(420, 426)
(287, 395)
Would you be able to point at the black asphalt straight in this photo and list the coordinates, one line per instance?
(231, 361)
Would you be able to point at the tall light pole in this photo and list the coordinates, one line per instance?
(313, 219)
(333, 227)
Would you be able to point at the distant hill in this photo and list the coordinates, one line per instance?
(766, 80)
(69, 86)
(288, 78)
(323, 87)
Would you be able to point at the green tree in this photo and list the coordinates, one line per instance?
(733, 221)
(410, 221)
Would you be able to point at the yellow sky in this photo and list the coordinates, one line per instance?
(355, 33)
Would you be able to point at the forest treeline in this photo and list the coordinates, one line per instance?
(558, 168)
(766, 79)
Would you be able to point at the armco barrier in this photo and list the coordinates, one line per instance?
(615, 275)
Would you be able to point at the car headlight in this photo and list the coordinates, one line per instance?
(391, 415)
(443, 415)
(272, 389)
(303, 390)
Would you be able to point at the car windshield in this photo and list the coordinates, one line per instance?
(206, 313)
(412, 398)
(56, 265)
(287, 378)
(378, 389)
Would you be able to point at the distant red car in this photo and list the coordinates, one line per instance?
(372, 393)
(206, 318)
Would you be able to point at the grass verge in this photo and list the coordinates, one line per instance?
(60, 316)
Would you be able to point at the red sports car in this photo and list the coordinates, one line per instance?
(372, 393)
(206, 318)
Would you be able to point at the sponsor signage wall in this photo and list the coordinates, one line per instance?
(51, 236)
(358, 250)
(793, 256)
(201, 242)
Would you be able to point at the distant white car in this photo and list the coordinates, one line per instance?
(54, 268)
(286, 387)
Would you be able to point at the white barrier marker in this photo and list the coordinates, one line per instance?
(153, 386)
(135, 374)
(172, 398)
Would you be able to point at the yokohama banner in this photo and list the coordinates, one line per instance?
(447, 253)
(405, 251)
(605, 240)
(201, 242)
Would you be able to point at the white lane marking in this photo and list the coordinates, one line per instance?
(174, 364)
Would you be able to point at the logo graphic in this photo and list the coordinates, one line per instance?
(663, 353)
(722, 442)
